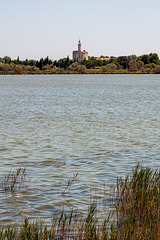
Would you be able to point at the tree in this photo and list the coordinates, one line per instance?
(146, 70)
(92, 58)
(25, 62)
(140, 64)
(41, 64)
(132, 57)
(73, 66)
(150, 65)
(151, 58)
(134, 65)
(18, 69)
(144, 58)
(117, 64)
(2, 60)
(7, 59)
(67, 62)
(112, 59)
(157, 69)
(123, 61)
(154, 58)
(32, 62)
(46, 61)
(104, 56)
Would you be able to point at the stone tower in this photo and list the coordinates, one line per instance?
(80, 55)
(79, 46)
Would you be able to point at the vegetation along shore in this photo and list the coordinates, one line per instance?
(144, 64)
(135, 214)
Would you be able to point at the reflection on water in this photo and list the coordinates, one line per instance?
(56, 126)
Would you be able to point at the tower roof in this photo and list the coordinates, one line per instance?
(79, 42)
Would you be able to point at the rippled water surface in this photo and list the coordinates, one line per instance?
(99, 126)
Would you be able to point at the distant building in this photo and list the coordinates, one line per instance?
(80, 55)
(103, 59)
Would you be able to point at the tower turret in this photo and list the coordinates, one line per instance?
(79, 46)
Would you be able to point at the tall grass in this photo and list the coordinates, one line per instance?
(136, 215)
(138, 205)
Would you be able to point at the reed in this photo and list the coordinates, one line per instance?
(70, 182)
(14, 180)
(136, 215)
(138, 205)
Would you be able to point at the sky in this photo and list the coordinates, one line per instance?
(32, 29)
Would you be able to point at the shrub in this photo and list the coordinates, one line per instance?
(111, 67)
(157, 69)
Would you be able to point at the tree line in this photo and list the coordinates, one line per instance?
(146, 63)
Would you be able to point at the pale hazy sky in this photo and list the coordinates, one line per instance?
(34, 28)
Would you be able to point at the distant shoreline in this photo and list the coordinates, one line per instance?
(66, 73)
(132, 64)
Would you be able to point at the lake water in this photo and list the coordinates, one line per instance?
(99, 126)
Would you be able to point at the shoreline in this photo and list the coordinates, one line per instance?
(115, 73)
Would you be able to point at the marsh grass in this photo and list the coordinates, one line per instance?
(63, 227)
(138, 205)
(70, 182)
(136, 215)
(14, 180)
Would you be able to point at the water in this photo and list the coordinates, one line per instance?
(99, 126)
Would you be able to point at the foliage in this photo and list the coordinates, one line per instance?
(157, 69)
(111, 67)
(123, 61)
(81, 68)
(124, 64)
(117, 65)
(135, 66)
(63, 63)
(93, 62)
(7, 59)
(151, 58)
(104, 56)
(132, 57)
(146, 70)
(73, 66)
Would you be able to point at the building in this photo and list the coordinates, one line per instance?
(104, 59)
(80, 55)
